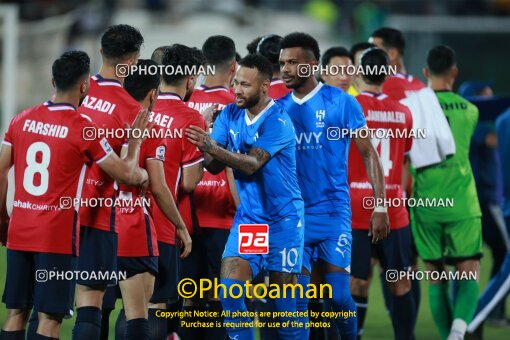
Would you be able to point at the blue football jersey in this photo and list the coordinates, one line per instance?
(272, 193)
(321, 120)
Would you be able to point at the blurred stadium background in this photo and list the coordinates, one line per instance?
(35, 32)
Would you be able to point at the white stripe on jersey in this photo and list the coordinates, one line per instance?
(177, 181)
(169, 96)
(80, 187)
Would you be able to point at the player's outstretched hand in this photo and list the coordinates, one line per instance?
(141, 126)
(210, 114)
(379, 226)
(183, 235)
(199, 137)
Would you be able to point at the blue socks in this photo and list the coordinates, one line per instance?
(286, 304)
(235, 305)
(137, 329)
(343, 302)
(88, 323)
(302, 306)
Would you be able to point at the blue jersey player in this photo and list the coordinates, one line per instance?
(255, 137)
(321, 115)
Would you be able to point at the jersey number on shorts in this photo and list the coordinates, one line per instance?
(384, 154)
(342, 245)
(289, 258)
(35, 167)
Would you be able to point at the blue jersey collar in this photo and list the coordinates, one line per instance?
(257, 117)
(308, 96)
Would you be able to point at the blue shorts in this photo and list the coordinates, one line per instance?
(28, 283)
(138, 265)
(327, 238)
(165, 284)
(394, 252)
(285, 247)
(98, 253)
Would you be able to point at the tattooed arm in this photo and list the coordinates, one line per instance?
(248, 164)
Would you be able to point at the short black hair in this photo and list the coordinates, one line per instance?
(219, 50)
(261, 63)
(337, 51)
(252, 46)
(391, 38)
(184, 57)
(238, 57)
(269, 47)
(158, 53)
(440, 59)
(374, 59)
(361, 46)
(69, 68)
(120, 40)
(303, 40)
(138, 84)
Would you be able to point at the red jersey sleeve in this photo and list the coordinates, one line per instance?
(96, 150)
(191, 155)
(156, 148)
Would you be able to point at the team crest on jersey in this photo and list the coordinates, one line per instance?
(105, 145)
(319, 116)
(160, 153)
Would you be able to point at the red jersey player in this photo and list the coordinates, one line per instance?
(393, 43)
(215, 196)
(183, 170)
(393, 122)
(138, 248)
(269, 47)
(45, 144)
(110, 107)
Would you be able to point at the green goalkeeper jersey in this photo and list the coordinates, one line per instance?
(451, 182)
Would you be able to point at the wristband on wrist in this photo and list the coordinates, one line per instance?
(381, 209)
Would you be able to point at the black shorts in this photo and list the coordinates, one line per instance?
(204, 262)
(394, 252)
(98, 253)
(30, 282)
(137, 265)
(165, 284)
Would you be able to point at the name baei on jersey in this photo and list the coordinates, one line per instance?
(50, 158)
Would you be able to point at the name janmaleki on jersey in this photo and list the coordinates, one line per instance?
(386, 116)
